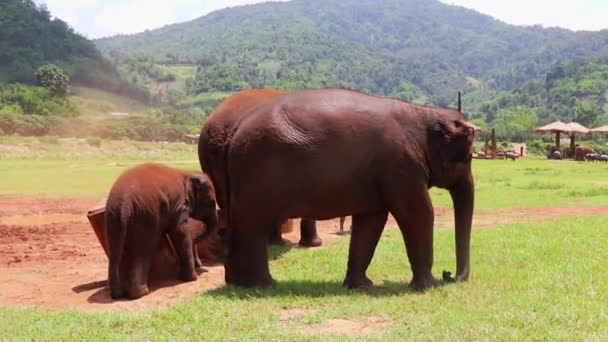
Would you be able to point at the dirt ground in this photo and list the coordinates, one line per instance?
(51, 258)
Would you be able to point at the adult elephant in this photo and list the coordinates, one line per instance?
(214, 139)
(581, 151)
(329, 153)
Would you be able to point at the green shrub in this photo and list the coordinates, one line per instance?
(26, 125)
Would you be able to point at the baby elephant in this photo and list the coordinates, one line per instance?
(145, 203)
(592, 156)
(603, 158)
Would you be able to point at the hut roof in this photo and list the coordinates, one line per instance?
(578, 128)
(556, 126)
(602, 129)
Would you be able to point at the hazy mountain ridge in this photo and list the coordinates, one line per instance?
(369, 44)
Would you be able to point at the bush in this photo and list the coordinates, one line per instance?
(26, 125)
(22, 99)
(54, 79)
(94, 141)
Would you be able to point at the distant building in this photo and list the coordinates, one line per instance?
(191, 139)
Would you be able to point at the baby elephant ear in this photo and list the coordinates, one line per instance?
(198, 183)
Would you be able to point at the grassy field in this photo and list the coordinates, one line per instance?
(530, 280)
(204, 99)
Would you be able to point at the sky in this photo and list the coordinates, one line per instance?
(100, 18)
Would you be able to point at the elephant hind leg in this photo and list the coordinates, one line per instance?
(247, 261)
(182, 241)
(116, 235)
(142, 250)
(364, 238)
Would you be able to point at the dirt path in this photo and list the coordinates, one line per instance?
(51, 258)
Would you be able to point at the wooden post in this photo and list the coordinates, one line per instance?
(459, 102)
(485, 149)
(557, 138)
(493, 143)
(572, 142)
(521, 151)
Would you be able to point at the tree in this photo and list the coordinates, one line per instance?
(515, 123)
(53, 78)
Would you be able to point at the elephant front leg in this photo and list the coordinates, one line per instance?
(276, 237)
(182, 241)
(308, 234)
(365, 234)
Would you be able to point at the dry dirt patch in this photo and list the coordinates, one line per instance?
(347, 327)
(294, 313)
(51, 258)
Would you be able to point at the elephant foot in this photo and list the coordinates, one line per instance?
(344, 232)
(117, 293)
(188, 276)
(361, 282)
(198, 263)
(314, 242)
(201, 270)
(249, 282)
(422, 284)
(138, 292)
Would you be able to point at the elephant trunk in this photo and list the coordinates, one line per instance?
(463, 198)
(211, 223)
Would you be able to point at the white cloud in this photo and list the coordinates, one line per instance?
(70, 4)
(97, 18)
(134, 16)
(572, 14)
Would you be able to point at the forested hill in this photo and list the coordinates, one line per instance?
(30, 38)
(408, 48)
(571, 92)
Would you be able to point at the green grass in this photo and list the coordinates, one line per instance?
(530, 183)
(181, 72)
(78, 167)
(204, 99)
(528, 282)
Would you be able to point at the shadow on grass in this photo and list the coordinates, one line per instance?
(311, 289)
(276, 251)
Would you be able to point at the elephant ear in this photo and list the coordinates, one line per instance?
(457, 138)
(198, 189)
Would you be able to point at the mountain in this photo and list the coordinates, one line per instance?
(30, 38)
(406, 48)
(569, 92)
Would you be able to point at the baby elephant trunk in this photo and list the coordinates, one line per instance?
(211, 222)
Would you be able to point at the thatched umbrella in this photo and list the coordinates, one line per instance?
(556, 127)
(602, 130)
(575, 128)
